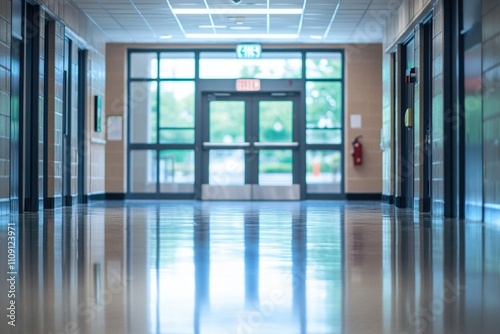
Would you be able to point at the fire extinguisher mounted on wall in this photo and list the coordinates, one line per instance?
(357, 151)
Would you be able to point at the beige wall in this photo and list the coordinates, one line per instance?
(116, 78)
(363, 94)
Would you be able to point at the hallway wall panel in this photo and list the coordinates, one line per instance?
(491, 111)
(72, 21)
(5, 33)
(55, 111)
(400, 26)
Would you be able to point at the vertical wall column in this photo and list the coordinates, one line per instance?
(491, 112)
(438, 111)
(55, 115)
(387, 143)
(5, 108)
(32, 124)
(398, 135)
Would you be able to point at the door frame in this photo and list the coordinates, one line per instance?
(251, 185)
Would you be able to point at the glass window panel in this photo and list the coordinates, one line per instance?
(177, 65)
(227, 121)
(143, 65)
(272, 65)
(323, 105)
(226, 167)
(324, 136)
(143, 171)
(176, 171)
(323, 65)
(143, 109)
(176, 136)
(323, 171)
(275, 121)
(275, 167)
(177, 104)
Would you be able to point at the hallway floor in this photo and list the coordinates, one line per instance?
(308, 267)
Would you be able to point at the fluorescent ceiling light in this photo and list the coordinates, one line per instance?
(240, 28)
(208, 26)
(166, 37)
(316, 37)
(237, 11)
(242, 36)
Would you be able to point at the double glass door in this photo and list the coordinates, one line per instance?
(250, 147)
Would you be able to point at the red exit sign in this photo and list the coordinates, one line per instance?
(247, 85)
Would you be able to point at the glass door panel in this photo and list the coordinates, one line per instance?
(275, 121)
(275, 167)
(227, 121)
(250, 152)
(224, 150)
(226, 167)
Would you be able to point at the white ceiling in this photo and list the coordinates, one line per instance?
(329, 21)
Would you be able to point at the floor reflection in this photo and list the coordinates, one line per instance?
(250, 267)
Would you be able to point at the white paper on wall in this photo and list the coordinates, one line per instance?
(114, 128)
(355, 121)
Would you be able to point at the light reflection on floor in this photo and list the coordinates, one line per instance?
(251, 267)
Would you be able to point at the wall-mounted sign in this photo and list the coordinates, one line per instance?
(248, 51)
(97, 113)
(247, 85)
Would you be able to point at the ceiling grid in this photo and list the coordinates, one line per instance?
(216, 21)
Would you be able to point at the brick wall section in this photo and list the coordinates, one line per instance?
(74, 117)
(85, 35)
(5, 36)
(437, 112)
(491, 109)
(55, 110)
(418, 118)
(387, 125)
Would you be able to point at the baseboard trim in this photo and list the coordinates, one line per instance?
(363, 196)
(4, 207)
(400, 201)
(70, 200)
(115, 196)
(53, 202)
(422, 204)
(389, 199)
(93, 197)
(492, 214)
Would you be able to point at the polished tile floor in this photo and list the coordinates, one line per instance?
(247, 267)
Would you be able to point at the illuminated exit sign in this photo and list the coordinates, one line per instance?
(247, 85)
(248, 51)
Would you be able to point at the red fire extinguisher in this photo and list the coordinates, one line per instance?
(357, 151)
